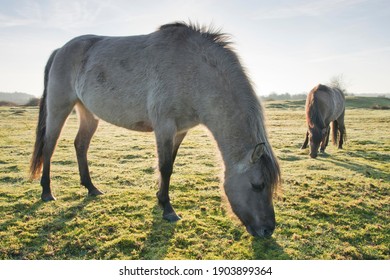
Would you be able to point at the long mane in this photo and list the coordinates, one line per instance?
(313, 114)
(269, 160)
(247, 103)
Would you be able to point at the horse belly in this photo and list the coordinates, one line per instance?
(119, 109)
(141, 126)
(126, 120)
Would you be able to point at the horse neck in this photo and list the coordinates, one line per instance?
(314, 115)
(237, 127)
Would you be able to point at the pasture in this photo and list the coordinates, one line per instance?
(334, 207)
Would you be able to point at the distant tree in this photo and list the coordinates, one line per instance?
(299, 96)
(272, 96)
(7, 104)
(33, 102)
(284, 96)
(338, 81)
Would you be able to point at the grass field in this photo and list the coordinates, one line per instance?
(334, 207)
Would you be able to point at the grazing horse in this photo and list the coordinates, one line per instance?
(324, 105)
(168, 82)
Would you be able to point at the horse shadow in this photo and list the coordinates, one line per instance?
(157, 242)
(42, 239)
(364, 169)
(20, 211)
(268, 249)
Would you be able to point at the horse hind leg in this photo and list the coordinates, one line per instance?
(341, 129)
(87, 127)
(342, 135)
(55, 120)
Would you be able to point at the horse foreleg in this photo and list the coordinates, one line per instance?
(304, 146)
(178, 139)
(166, 168)
(167, 149)
(88, 125)
(325, 140)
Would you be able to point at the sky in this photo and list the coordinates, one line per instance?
(285, 45)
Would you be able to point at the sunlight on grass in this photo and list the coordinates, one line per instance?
(334, 207)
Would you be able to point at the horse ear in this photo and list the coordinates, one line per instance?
(258, 152)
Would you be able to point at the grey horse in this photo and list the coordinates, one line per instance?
(168, 82)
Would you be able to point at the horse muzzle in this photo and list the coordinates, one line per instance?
(313, 155)
(261, 232)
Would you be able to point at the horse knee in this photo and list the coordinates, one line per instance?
(165, 175)
(166, 170)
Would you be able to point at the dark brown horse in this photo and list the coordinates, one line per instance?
(324, 105)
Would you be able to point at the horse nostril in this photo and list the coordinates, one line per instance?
(268, 232)
(264, 232)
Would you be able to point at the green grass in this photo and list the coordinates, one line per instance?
(334, 207)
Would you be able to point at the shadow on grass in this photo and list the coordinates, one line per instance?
(62, 222)
(268, 249)
(158, 240)
(20, 211)
(41, 239)
(364, 169)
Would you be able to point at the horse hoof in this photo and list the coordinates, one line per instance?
(47, 197)
(171, 217)
(95, 192)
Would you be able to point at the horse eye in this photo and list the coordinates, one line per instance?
(258, 187)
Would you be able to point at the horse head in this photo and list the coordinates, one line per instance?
(316, 134)
(250, 190)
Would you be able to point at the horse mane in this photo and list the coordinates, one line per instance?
(248, 103)
(210, 33)
(321, 87)
(313, 114)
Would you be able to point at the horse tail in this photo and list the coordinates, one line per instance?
(335, 130)
(345, 135)
(37, 157)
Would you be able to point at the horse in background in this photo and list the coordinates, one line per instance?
(324, 106)
(168, 82)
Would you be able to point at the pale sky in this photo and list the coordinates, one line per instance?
(285, 45)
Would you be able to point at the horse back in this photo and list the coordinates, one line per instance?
(325, 103)
(140, 76)
(176, 73)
